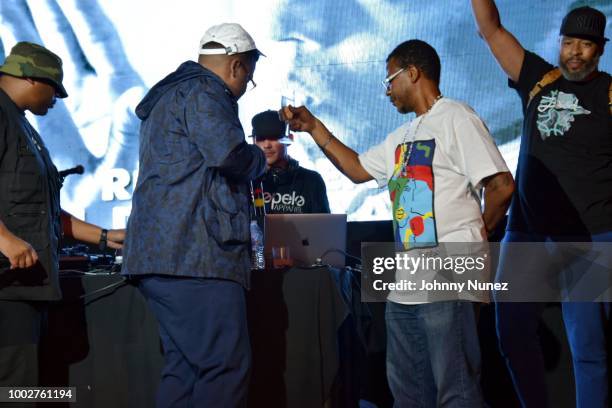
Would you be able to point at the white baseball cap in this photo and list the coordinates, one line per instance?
(231, 36)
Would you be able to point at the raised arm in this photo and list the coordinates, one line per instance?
(245, 162)
(505, 47)
(343, 157)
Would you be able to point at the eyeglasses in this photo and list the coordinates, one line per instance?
(252, 85)
(250, 79)
(386, 83)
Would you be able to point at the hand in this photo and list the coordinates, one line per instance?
(115, 238)
(101, 131)
(484, 234)
(299, 118)
(20, 253)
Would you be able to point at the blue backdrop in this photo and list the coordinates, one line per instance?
(329, 55)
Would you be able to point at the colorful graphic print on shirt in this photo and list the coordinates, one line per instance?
(411, 189)
(556, 112)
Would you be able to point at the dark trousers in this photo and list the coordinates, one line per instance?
(20, 326)
(20, 329)
(203, 329)
(586, 325)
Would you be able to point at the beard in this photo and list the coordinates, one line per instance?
(587, 69)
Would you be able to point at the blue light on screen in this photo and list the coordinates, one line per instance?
(328, 55)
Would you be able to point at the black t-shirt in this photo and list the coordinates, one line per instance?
(294, 190)
(564, 173)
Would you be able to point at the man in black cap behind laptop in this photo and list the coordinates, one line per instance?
(288, 187)
(564, 193)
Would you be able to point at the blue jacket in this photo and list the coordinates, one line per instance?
(190, 209)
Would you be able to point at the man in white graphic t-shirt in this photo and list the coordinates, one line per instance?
(434, 167)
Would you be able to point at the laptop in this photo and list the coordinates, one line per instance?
(308, 236)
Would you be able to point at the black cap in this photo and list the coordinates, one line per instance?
(584, 22)
(267, 124)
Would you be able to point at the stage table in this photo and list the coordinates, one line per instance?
(108, 347)
(294, 320)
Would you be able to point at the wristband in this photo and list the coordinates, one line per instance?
(103, 240)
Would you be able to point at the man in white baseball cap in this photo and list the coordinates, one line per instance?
(229, 51)
(190, 209)
(232, 38)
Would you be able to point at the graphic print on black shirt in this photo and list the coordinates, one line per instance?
(556, 112)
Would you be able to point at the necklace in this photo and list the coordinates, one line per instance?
(408, 153)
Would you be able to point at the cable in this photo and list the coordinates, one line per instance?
(320, 259)
(105, 288)
(92, 272)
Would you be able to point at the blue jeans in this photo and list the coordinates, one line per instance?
(585, 325)
(433, 356)
(203, 329)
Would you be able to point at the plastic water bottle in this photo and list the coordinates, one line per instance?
(257, 246)
(257, 224)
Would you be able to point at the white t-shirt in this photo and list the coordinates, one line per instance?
(436, 198)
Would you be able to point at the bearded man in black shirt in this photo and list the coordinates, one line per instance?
(564, 194)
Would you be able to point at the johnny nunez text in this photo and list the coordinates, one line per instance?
(408, 285)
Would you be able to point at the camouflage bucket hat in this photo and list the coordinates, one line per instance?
(29, 60)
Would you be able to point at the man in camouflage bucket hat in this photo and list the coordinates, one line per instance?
(31, 219)
(29, 60)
